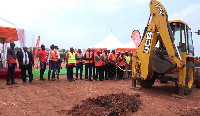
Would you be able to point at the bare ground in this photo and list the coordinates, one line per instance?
(54, 98)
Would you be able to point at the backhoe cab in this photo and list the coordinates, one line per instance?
(175, 54)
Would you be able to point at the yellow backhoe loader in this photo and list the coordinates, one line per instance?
(172, 60)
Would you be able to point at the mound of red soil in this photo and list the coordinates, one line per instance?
(191, 112)
(110, 105)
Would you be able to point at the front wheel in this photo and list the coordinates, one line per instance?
(146, 83)
(190, 74)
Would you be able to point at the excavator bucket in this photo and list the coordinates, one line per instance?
(160, 64)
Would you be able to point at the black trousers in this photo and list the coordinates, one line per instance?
(88, 66)
(79, 66)
(113, 70)
(10, 72)
(120, 72)
(70, 72)
(52, 66)
(93, 69)
(42, 69)
(109, 71)
(105, 71)
(23, 72)
(98, 72)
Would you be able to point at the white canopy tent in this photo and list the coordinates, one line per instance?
(130, 45)
(110, 42)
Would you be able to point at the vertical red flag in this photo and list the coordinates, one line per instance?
(36, 48)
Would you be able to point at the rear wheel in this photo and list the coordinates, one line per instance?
(198, 79)
(189, 82)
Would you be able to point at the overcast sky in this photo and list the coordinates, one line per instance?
(82, 23)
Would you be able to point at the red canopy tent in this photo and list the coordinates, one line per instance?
(8, 34)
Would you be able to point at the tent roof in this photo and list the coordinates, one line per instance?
(8, 34)
(130, 45)
(109, 42)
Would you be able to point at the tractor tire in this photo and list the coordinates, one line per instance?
(190, 74)
(198, 79)
(146, 83)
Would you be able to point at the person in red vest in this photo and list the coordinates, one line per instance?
(93, 62)
(88, 64)
(11, 60)
(79, 63)
(109, 69)
(121, 61)
(52, 59)
(105, 64)
(113, 61)
(43, 59)
(98, 65)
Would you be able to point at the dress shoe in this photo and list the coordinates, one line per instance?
(42, 79)
(13, 82)
(81, 79)
(9, 83)
(85, 79)
(30, 81)
(76, 78)
(69, 80)
(58, 78)
(73, 80)
(90, 80)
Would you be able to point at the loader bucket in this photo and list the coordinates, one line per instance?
(160, 64)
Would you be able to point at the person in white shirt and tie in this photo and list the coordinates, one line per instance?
(26, 62)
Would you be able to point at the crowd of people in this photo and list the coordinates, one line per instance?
(99, 64)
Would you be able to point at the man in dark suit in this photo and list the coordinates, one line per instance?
(26, 62)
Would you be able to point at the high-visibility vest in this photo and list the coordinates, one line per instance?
(98, 63)
(114, 58)
(71, 59)
(53, 55)
(79, 56)
(88, 56)
(121, 63)
(127, 59)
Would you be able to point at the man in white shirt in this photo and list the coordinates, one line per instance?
(26, 62)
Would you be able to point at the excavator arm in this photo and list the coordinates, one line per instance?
(159, 23)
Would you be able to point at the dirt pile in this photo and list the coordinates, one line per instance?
(191, 112)
(110, 105)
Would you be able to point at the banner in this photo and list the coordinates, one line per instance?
(136, 37)
(22, 37)
(36, 48)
